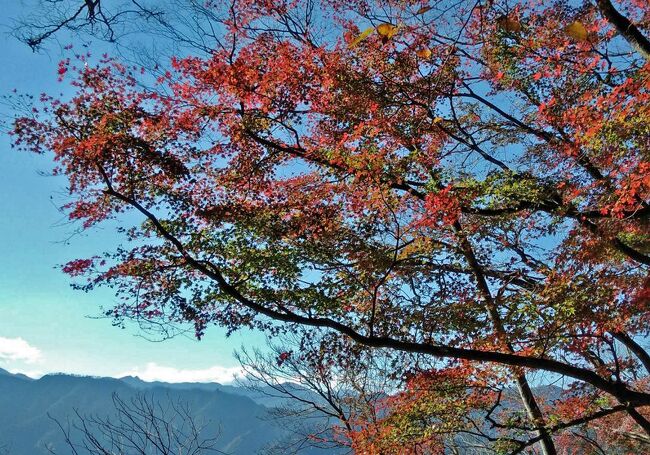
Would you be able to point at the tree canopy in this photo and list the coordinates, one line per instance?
(464, 184)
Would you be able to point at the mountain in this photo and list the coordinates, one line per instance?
(265, 396)
(240, 416)
(16, 375)
(26, 428)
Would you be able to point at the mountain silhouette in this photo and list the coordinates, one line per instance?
(28, 408)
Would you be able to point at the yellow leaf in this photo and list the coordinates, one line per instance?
(423, 10)
(424, 53)
(386, 30)
(437, 120)
(363, 35)
(577, 31)
(509, 25)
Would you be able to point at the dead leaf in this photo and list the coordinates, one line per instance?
(423, 10)
(424, 53)
(508, 24)
(363, 35)
(577, 31)
(386, 31)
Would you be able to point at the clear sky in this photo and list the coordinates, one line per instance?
(44, 324)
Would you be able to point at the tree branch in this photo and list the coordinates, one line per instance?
(627, 29)
(617, 390)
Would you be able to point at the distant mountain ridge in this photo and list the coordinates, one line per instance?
(264, 396)
(241, 415)
(25, 428)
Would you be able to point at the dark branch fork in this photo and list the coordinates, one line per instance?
(619, 391)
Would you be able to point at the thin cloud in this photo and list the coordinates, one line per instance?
(17, 349)
(34, 374)
(154, 372)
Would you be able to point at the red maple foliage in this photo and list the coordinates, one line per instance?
(466, 181)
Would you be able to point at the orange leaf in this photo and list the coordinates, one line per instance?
(509, 25)
(386, 30)
(423, 10)
(424, 53)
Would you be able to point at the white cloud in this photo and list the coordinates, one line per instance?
(154, 372)
(17, 349)
(34, 374)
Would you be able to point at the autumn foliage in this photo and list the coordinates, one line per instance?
(461, 182)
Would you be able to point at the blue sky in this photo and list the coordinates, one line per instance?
(44, 324)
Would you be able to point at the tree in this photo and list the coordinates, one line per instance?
(344, 398)
(323, 396)
(140, 425)
(461, 181)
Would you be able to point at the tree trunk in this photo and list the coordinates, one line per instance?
(533, 411)
(627, 29)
